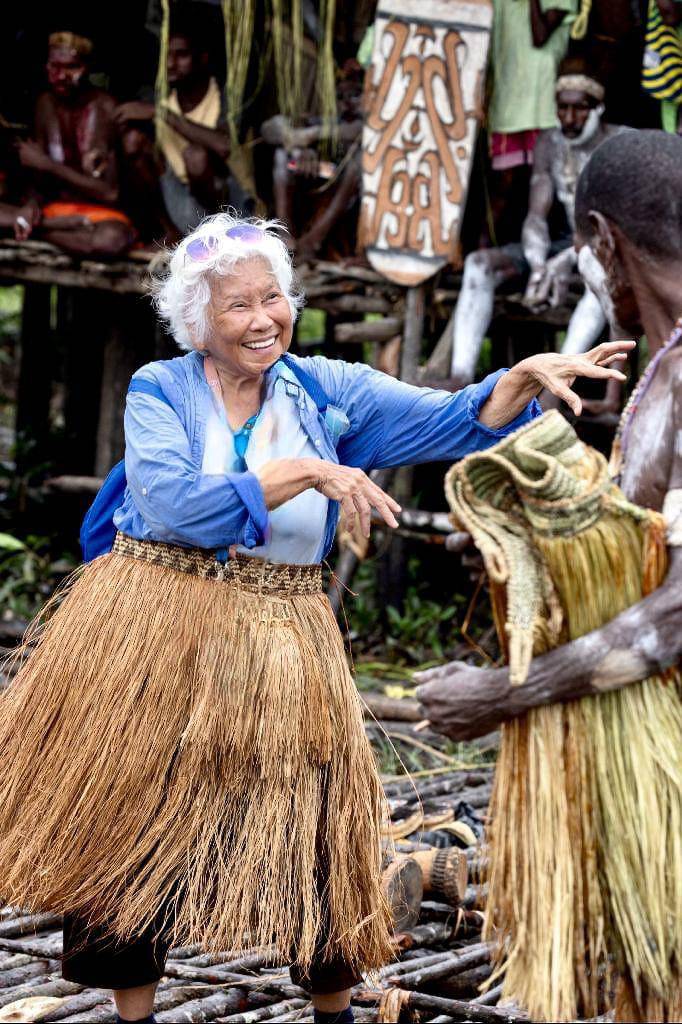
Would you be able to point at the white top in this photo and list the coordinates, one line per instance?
(298, 526)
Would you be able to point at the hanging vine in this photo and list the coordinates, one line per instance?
(238, 18)
(161, 84)
(326, 70)
(288, 61)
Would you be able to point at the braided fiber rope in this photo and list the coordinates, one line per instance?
(249, 573)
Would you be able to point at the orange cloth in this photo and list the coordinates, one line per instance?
(91, 211)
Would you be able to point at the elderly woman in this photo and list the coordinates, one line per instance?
(182, 756)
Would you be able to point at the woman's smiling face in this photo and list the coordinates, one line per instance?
(250, 321)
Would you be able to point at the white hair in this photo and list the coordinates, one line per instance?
(183, 297)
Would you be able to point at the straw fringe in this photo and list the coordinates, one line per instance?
(587, 812)
(585, 890)
(181, 743)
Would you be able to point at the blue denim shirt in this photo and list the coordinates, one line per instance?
(373, 421)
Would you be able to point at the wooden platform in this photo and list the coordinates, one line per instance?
(41, 263)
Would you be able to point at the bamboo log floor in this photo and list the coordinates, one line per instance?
(435, 875)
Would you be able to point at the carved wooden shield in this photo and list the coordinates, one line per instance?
(423, 105)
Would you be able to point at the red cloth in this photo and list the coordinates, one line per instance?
(93, 212)
(512, 149)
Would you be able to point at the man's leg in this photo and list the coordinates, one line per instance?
(484, 272)
(135, 1004)
(346, 191)
(108, 238)
(586, 325)
(329, 985)
(332, 1007)
(585, 328)
(201, 176)
(140, 189)
(284, 185)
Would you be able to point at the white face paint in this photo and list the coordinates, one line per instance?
(594, 276)
(590, 128)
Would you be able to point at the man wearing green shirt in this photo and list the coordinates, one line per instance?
(529, 40)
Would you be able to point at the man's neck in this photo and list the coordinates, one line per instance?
(76, 100)
(190, 93)
(658, 290)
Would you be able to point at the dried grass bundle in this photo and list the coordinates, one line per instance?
(196, 744)
(586, 837)
(238, 20)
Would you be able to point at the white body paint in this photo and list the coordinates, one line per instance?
(585, 326)
(672, 511)
(472, 315)
(647, 448)
(594, 276)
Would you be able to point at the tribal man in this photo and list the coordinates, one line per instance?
(629, 237)
(546, 264)
(178, 161)
(73, 159)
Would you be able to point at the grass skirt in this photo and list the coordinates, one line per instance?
(188, 735)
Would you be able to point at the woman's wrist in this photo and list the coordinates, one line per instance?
(283, 479)
(522, 379)
(310, 471)
(510, 396)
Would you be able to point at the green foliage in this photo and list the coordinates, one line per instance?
(311, 326)
(418, 634)
(29, 575)
(11, 300)
(418, 631)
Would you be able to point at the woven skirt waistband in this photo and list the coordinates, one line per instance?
(248, 573)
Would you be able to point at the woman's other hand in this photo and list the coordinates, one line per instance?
(556, 373)
(357, 495)
(283, 479)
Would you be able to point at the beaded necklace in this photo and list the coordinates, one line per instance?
(620, 440)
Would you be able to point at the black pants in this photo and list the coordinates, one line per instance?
(93, 958)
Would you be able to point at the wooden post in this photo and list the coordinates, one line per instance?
(412, 333)
(36, 362)
(82, 321)
(394, 577)
(130, 342)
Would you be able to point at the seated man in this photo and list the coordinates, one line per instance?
(545, 264)
(72, 160)
(312, 194)
(193, 139)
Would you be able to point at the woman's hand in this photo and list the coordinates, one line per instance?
(556, 373)
(283, 479)
(357, 495)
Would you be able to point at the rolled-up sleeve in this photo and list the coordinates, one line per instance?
(397, 424)
(179, 503)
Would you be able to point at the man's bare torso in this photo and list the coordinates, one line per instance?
(564, 163)
(654, 456)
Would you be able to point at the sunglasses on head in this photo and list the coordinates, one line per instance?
(204, 248)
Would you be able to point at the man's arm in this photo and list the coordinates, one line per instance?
(463, 702)
(101, 185)
(535, 232)
(214, 139)
(543, 23)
